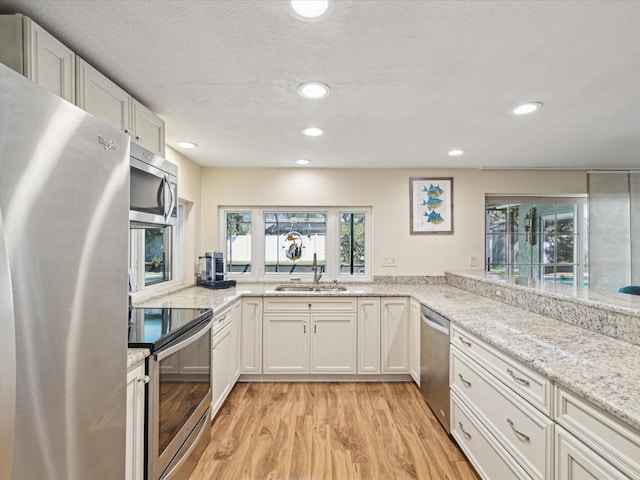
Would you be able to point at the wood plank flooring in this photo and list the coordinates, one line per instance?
(329, 431)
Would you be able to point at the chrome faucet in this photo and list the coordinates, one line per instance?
(317, 274)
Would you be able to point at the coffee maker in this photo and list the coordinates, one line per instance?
(212, 271)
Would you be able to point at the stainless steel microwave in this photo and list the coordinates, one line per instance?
(154, 189)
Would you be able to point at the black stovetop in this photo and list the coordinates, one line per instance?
(154, 328)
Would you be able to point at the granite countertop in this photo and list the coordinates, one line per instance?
(601, 369)
(136, 355)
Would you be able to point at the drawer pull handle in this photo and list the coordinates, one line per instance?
(524, 436)
(464, 342)
(521, 381)
(465, 382)
(466, 434)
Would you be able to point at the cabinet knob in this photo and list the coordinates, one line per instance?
(139, 137)
(127, 131)
(144, 379)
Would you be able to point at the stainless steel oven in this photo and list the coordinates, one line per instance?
(154, 189)
(179, 390)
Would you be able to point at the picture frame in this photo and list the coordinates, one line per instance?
(431, 205)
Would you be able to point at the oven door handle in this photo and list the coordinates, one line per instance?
(199, 333)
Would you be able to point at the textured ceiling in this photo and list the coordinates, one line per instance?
(410, 79)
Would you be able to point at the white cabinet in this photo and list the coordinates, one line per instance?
(251, 335)
(609, 445)
(286, 343)
(134, 444)
(368, 335)
(234, 355)
(395, 335)
(414, 341)
(33, 52)
(102, 98)
(220, 362)
(309, 335)
(576, 461)
(147, 128)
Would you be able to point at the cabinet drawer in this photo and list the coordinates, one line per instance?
(278, 304)
(617, 443)
(529, 384)
(524, 432)
(488, 457)
(574, 460)
(220, 321)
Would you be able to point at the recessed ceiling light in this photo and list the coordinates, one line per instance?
(303, 161)
(188, 144)
(526, 108)
(313, 132)
(314, 90)
(311, 10)
(456, 152)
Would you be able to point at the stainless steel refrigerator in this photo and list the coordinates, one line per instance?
(64, 206)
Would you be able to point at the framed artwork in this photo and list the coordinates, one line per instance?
(431, 205)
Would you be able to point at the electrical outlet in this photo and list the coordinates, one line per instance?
(390, 261)
(473, 260)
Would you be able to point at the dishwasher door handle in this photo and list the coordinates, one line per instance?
(435, 324)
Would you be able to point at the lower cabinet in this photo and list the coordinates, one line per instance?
(395, 335)
(220, 362)
(414, 341)
(489, 458)
(576, 461)
(309, 335)
(135, 455)
(368, 335)
(251, 336)
(225, 355)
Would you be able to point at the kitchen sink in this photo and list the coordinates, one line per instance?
(310, 288)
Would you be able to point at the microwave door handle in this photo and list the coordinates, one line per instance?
(8, 363)
(172, 202)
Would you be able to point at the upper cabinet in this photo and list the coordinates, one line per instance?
(32, 51)
(102, 98)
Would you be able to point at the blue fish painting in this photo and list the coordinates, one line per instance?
(433, 217)
(434, 191)
(432, 203)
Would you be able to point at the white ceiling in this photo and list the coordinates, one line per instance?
(410, 79)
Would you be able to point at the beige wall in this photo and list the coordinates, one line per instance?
(387, 192)
(189, 192)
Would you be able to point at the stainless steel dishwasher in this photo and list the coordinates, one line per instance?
(434, 363)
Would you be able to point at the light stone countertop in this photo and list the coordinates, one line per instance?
(136, 355)
(601, 369)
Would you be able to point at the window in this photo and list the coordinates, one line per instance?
(539, 238)
(264, 243)
(152, 254)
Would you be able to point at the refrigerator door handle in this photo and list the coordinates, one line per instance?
(8, 362)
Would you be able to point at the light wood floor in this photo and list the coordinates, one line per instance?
(337, 431)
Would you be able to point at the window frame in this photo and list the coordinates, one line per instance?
(580, 203)
(332, 265)
(137, 262)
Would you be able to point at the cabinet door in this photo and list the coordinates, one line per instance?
(134, 445)
(234, 354)
(414, 341)
(148, 128)
(395, 335)
(333, 343)
(220, 382)
(576, 461)
(102, 98)
(369, 335)
(48, 62)
(286, 343)
(251, 333)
